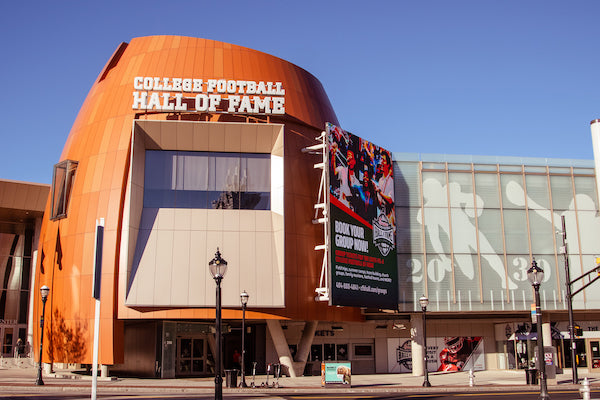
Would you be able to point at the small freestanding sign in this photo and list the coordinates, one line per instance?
(336, 373)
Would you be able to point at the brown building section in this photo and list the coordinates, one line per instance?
(21, 210)
(100, 142)
(22, 201)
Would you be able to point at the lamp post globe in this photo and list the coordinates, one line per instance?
(244, 296)
(535, 274)
(424, 302)
(44, 291)
(218, 268)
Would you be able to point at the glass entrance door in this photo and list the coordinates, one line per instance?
(191, 356)
(580, 353)
(6, 341)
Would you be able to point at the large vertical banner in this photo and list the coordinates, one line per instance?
(363, 261)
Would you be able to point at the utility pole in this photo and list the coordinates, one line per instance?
(569, 299)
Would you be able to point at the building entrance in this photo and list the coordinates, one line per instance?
(188, 348)
(10, 345)
(7, 334)
(580, 353)
(193, 357)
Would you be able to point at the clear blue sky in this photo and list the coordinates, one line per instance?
(517, 78)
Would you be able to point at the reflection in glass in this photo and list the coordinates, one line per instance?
(186, 179)
(198, 348)
(62, 183)
(329, 350)
(363, 350)
(185, 366)
(342, 352)
(185, 348)
(316, 352)
(198, 366)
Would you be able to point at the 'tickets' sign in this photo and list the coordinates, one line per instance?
(364, 270)
(169, 94)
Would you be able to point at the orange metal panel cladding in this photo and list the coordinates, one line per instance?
(100, 141)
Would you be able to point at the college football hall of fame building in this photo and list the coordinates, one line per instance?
(184, 147)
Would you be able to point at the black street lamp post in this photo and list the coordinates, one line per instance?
(424, 302)
(244, 299)
(218, 267)
(535, 274)
(44, 290)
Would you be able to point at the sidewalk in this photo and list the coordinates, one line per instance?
(22, 379)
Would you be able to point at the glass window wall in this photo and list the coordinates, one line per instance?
(482, 228)
(185, 179)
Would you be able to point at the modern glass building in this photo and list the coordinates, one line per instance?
(469, 228)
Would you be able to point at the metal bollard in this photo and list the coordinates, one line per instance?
(471, 378)
(585, 389)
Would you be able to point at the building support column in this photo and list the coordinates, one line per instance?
(47, 367)
(416, 347)
(212, 344)
(547, 341)
(547, 334)
(281, 345)
(308, 334)
(34, 285)
(595, 128)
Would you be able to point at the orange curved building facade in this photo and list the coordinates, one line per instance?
(191, 103)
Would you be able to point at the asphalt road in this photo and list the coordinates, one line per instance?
(19, 383)
(496, 395)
